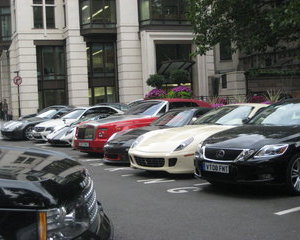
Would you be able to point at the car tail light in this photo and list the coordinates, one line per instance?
(102, 133)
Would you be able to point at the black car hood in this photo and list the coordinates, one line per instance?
(127, 138)
(33, 178)
(254, 137)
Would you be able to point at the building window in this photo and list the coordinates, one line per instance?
(98, 13)
(224, 81)
(39, 8)
(5, 24)
(225, 50)
(51, 75)
(163, 12)
(102, 72)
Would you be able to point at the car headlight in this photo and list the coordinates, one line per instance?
(184, 144)
(67, 223)
(200, 151)
(49, 129)
(272, 150)
(137, 141)
(245, 154)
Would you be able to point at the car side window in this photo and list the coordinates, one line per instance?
(180, 104)
(162, 111)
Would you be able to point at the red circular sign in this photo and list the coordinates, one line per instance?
(17, 80)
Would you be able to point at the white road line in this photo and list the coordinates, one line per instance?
(287, 211)
(89, 160)
(156, 180)
(118, 169)
(127, 175)
(201, 184)
(96, 164)
(41, 144)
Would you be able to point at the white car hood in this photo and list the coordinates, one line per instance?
(167, 140)
(56, 122)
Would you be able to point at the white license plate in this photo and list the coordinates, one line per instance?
(215, 167)
(83, 144)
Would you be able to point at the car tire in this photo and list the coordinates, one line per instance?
(293, 175)
(27, 132)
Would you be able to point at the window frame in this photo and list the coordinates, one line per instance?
(44, 5)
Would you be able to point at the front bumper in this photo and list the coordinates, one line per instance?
(96, 145)
(175, 163)
(15, 134)
(272, 170)
(116, 154)
(40, 136)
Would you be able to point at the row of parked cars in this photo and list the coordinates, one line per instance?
(236, 143)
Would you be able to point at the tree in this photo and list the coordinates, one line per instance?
(252, 25)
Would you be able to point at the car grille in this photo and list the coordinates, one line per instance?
(228, 154)
(39, 129)
(90, 199)
(150, 162)
(86, 133)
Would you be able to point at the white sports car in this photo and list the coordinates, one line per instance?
(40, 131)
(172, 150)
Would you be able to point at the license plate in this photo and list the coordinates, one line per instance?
(215, 167)
(83, 144)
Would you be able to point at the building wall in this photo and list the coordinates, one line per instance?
(23, 54)
(129, 51)
(136, 56)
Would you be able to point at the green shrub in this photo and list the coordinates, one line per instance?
(156, 80)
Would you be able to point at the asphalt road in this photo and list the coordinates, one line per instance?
(159, 206)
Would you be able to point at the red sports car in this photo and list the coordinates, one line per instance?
(92, 136)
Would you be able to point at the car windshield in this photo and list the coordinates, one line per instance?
(226, 115)
(74, 114)
(287, 114)
(174, 119)
(48, 114)
(145, 108)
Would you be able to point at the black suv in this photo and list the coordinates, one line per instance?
(47, 195)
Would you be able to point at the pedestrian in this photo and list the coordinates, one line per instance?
(5, 109)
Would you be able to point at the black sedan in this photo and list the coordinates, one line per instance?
(116, 149)
(266, 150)
(21, 129)
(47, 195)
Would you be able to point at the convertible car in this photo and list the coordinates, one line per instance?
(40, 131)
(92, 136)
(264, 151)
(22, 129)
(116, 149)
(47, 195)
(172, 150)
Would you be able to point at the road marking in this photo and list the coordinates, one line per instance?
(89, 160)
(202, 184)
(41, 144)
(287, 211)
(183, 190)
(96, 164)
(156, 180)
(127, 175)
(117, 169)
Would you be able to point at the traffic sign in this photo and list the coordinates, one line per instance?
(17, 80)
